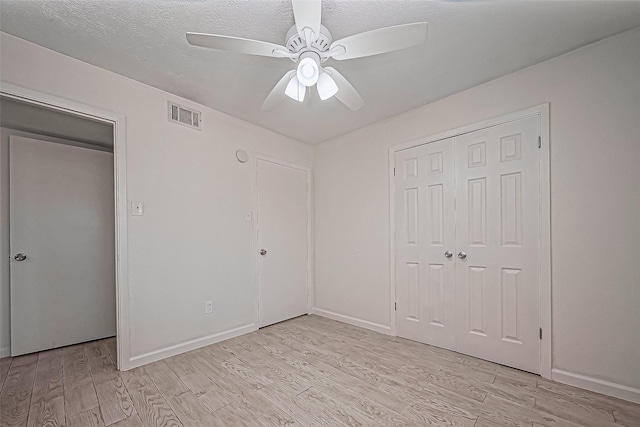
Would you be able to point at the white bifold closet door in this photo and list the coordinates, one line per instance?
(497, 211)
(425, 226)
(474, 198)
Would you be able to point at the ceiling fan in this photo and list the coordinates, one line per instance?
(309, 45)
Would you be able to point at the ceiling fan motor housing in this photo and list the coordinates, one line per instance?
(296, 43)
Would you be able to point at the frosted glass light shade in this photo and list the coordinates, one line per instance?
(327, 87)
(307, 72)
(295, 90)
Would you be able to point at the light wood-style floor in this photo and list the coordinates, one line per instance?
(308, 371)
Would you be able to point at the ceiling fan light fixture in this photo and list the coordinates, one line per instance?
(327, 87)
(295, 90)
(308, 71)
(309, 44)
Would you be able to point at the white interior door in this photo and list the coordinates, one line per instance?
(425, 219)
(282, 241)
(475, 195)
(497, 214)
(62, 220)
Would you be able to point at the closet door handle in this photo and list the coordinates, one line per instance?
(462, 255)
(448, 254)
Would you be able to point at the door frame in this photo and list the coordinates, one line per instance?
(544, 217)
(118, 122)
(310, 257)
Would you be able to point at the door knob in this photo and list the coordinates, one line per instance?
(448, 254)
(20, 257)
(263, 252)
(462, 255)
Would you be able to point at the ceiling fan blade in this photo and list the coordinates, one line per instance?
(277, 93)
(307, 14)
(235, 44)
(346, 93)
(382, 40)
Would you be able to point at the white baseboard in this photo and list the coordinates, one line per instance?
(599, 386)
(5, 352)
(383, 329)
(173, 350)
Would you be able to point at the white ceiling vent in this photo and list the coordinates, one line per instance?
(185, 116)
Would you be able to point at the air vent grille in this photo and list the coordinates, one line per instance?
(184, 116)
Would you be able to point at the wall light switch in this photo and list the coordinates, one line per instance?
(137, 208)
(248, 216)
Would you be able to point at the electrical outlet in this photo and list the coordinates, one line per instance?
(208, 307)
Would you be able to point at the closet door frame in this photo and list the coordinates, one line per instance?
(118, 121)
(544, 218)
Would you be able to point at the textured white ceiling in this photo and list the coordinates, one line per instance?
(470, 42)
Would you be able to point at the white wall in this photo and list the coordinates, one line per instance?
(192, 244)
(594, 94)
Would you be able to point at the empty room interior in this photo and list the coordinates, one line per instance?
(319, 213)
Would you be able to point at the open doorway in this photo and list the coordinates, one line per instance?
(58, 268)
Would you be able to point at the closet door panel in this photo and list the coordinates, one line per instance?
(497, 244)
(424, 221)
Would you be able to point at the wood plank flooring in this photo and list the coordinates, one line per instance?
(309, 371)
